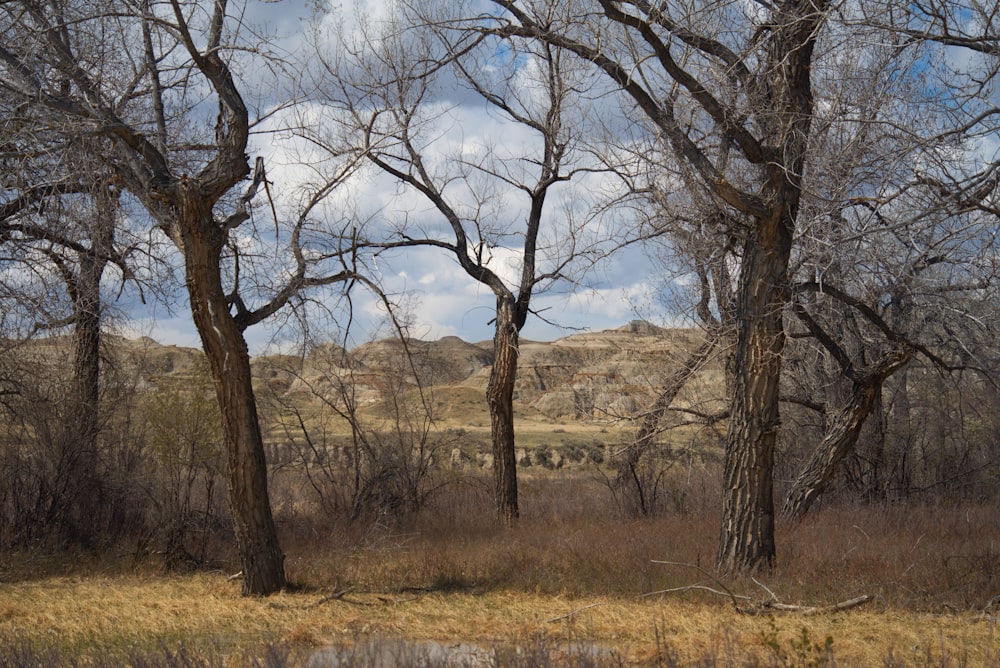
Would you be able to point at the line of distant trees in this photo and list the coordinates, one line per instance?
(820, 180)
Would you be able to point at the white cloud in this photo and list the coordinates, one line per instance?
(443, 300)
(174, 330)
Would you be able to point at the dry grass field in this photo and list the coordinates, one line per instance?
(576, 583)
(571, 575)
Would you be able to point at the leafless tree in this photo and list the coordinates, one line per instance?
(156, 81)
(888, 255)
(729, 89)
(59, 227)
(395, 95)
(732, 90)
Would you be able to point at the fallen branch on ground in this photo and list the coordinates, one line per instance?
(776, 606)
(753, 607)
(338, 595)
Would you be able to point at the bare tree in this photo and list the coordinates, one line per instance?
(395, 94)
(735, 105)
(155, 79)
(59, 226)
(735, 93)
(887, 254)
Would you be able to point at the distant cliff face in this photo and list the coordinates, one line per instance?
(601, 375)
(586, 376)
(443, 362)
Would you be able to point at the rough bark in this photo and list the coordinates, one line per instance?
(81, 431)
(841, 436)
(747, 539)
(500, 399)
(85, 396)
(86, 353)
(225, 348)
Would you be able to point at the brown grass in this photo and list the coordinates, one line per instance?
(572, 571)
(87, 613)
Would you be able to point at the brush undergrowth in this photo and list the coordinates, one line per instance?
(447, 573)
(931, 556)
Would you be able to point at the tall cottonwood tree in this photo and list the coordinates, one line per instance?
(875, 254)
(60, 232)
(72, 254)
(155, 80)
(502, 201)
(888, 255)
(730, 91)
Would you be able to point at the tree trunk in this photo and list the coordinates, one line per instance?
(841, 436)
(83, 424)
(87, 351)
(747, 540)
(874, 484)
(85, 402)
(500, 398)
(229, 362)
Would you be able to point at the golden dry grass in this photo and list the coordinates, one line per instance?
(207, 610)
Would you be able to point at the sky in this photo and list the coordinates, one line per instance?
(444, 302)
(439, 298)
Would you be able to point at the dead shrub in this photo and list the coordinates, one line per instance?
(183, 472)
(61, 487)
(373, 449)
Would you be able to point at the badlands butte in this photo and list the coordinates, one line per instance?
(576, 398)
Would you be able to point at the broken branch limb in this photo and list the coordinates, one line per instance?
(777, 606)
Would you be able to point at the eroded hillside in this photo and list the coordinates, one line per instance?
(580, 390)
(584, 376)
